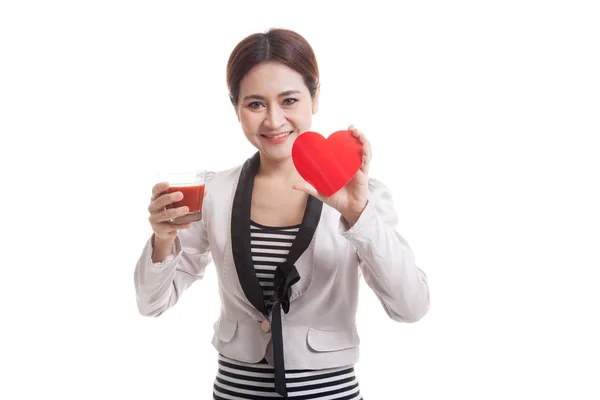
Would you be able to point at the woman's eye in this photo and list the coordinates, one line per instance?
(254, 105)
(290, 101)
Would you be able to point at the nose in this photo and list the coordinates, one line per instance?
(275, 118)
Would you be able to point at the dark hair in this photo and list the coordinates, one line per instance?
(279, 45)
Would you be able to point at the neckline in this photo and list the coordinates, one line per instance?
(271, 227)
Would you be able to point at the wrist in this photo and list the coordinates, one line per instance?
(350, 220)
(161, 248)
(160, 241)
(352, 216)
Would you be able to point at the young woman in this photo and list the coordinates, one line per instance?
(288, 259)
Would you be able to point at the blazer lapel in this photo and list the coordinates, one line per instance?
(240, 235)
(310, 222)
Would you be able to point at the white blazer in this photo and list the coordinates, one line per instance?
(319, 329)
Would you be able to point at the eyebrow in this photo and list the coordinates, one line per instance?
(282, 94)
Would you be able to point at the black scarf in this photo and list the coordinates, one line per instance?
(286, 274)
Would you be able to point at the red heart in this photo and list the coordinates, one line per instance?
(327, 164)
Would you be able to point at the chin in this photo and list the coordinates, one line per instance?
(277, 155)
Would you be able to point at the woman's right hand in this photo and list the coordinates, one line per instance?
(160, 215)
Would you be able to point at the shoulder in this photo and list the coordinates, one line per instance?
(376, 185)
(221, 176)
(379, 191)
(381, 201)
(231, 175)
(220, 184)
(380, 205)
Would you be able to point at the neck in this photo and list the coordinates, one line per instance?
(281, 170)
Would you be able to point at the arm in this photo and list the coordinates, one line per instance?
(385, 258)
(159, 285)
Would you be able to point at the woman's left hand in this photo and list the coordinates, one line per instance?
(351, 199)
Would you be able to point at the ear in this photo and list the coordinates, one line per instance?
(237, 113)
(315, 100)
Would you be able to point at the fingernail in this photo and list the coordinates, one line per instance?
(351, 127)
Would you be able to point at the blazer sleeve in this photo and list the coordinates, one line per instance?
(159, 286)
(385, 258)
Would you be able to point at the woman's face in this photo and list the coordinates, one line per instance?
(274, 107)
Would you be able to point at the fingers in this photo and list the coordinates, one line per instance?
(367, 151)
(309, 189)
(159, 213)
(358, 134)
(164, 200)
(167, 214)
(161, 224)
(161, 218)
(158, 189)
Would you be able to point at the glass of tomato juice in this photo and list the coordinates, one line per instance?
(191, 185)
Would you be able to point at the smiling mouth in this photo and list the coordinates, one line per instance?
(278, 136)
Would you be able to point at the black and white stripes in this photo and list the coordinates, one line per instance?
(270, 248)
(238, 380)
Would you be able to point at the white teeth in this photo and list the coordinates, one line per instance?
(279, 136)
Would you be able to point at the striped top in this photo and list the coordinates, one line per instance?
(239, 380)
(270, 248)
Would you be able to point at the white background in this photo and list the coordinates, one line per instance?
(484, 119)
